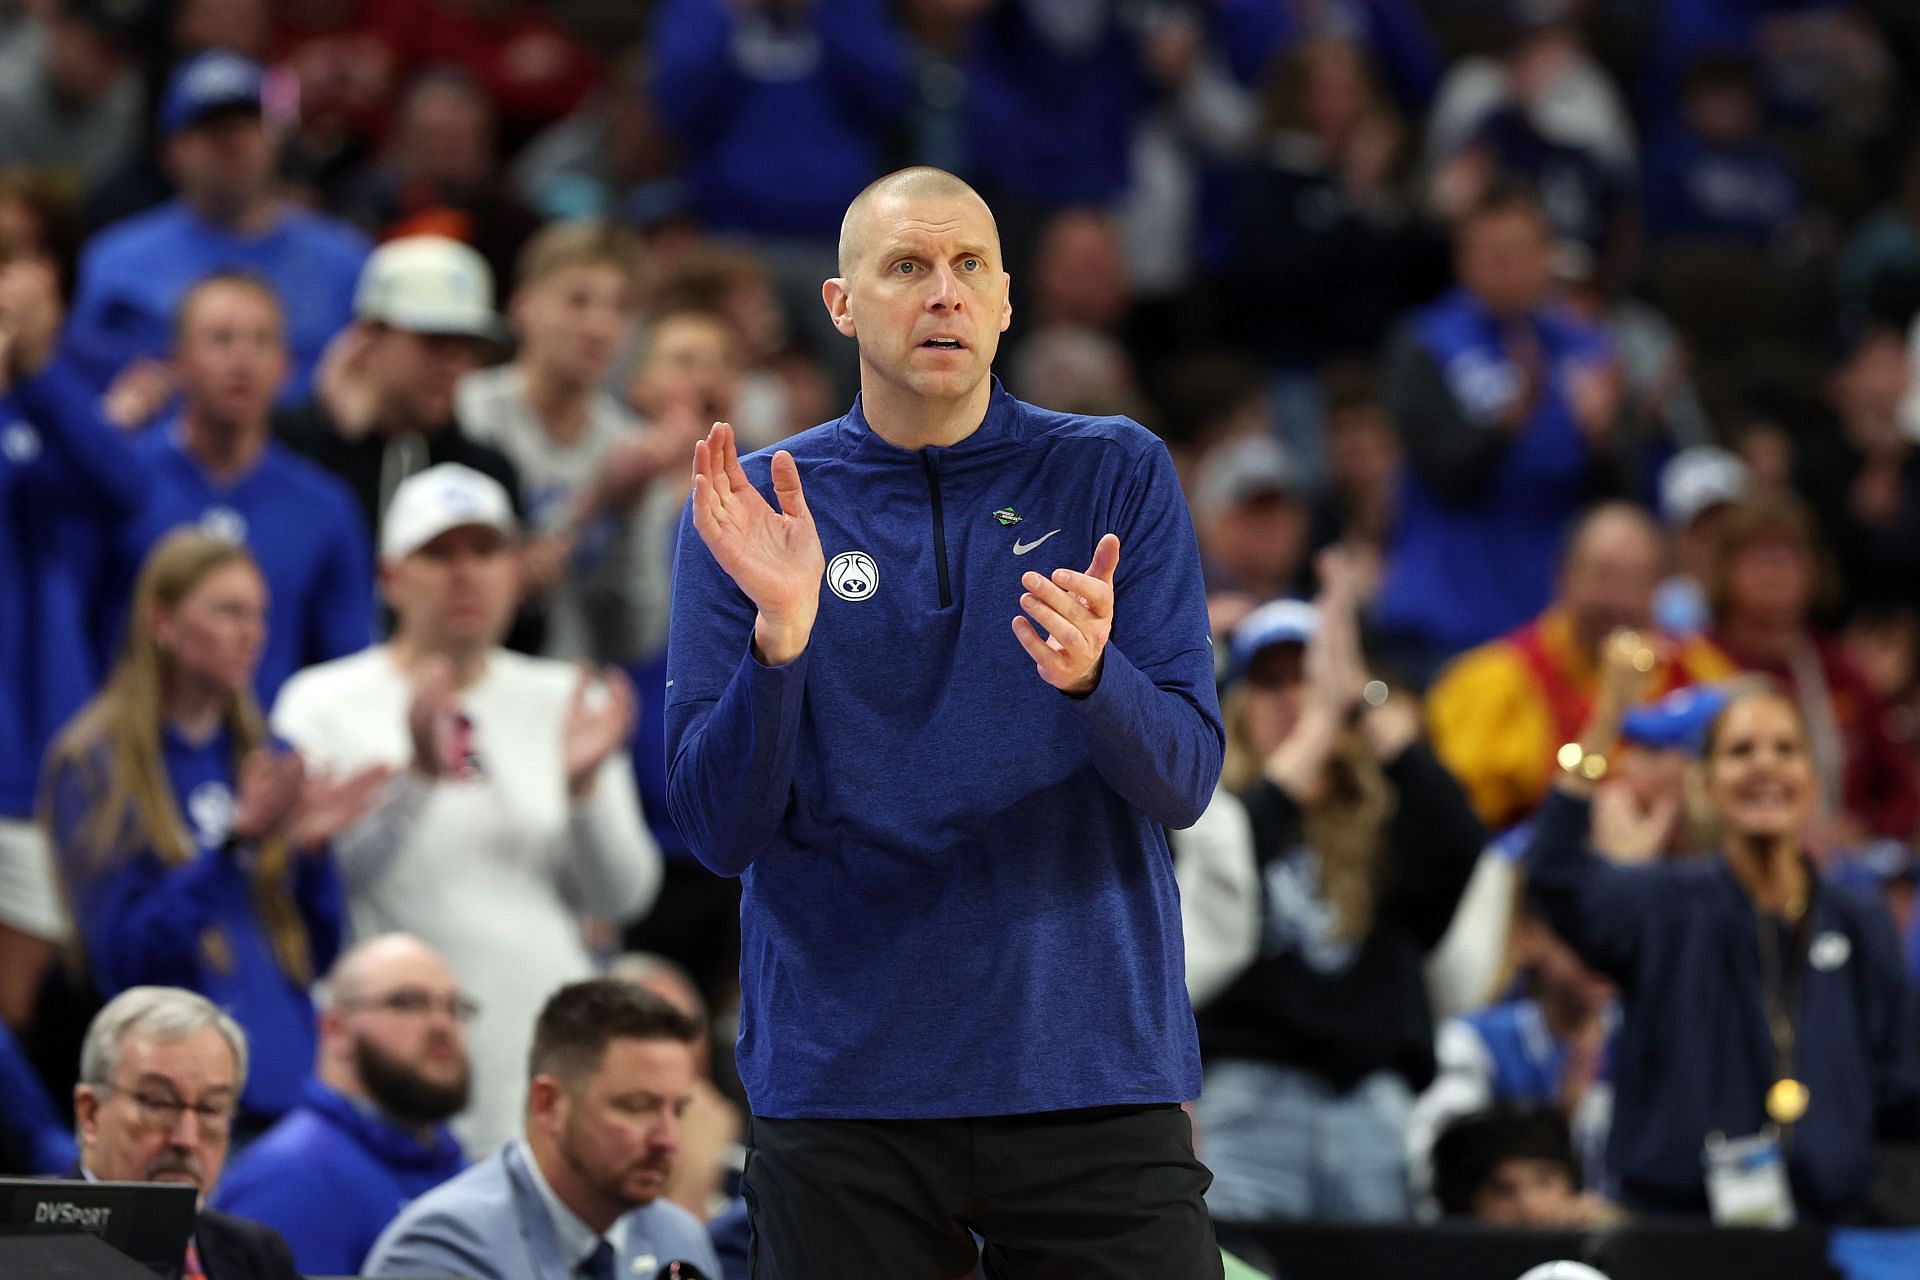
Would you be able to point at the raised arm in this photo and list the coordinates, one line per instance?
(52, 395)
(746, 592)
(1604, 911)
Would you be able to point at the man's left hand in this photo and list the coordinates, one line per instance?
(1077, 611)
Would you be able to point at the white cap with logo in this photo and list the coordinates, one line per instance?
(440, 498)
(428, 284)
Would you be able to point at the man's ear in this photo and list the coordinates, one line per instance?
(86, 1110)
(546, 1105)
(1006, 305)
(834, 294)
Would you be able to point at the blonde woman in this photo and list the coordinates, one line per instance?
(1765, 1023)
(1363, 845)
(192, 848)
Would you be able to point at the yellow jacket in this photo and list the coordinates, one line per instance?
(1499, 712)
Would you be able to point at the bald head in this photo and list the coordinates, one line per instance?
(389, 960)
(922, 182)
(394, 1032)
(1613, 563)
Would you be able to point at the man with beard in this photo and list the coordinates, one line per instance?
(370, 1135)
(580, 1194)
(161, 1072)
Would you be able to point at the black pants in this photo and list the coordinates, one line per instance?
(1112, 1193)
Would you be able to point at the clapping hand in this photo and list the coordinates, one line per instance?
(1332, 668)
(430, 719)
(328, 806)
(342, 385)
(773, 556)
(138, 393)
(1077, 611)
(280, 799)
(596, 726)
(270, 786)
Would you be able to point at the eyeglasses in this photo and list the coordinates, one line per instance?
(414, 1003)
(159, 1111)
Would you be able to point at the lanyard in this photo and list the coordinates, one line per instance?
(1781, 978)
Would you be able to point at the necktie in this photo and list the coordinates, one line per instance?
(599, 1263)
(195, 1271)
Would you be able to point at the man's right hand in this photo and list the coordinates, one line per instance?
(773, 556)
(430, 719)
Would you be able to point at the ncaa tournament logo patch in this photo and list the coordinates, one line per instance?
(853, 575)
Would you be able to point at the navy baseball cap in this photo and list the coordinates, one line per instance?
(217, 80)
(1677, 722)
(1275, 622)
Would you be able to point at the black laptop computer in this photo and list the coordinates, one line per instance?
(148, 1222)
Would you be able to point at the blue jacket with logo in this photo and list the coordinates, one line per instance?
(196, 925)
(1483, 512)
(1693, 1054)
(958, 898)
(302, 528)
(330, 1177)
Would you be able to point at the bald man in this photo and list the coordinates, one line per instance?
(1501, 711)
(939, 680)
(371, 1133)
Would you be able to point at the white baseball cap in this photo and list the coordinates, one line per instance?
(1700, 477)
(1564, 1270)
(440, 498)
(428, 284)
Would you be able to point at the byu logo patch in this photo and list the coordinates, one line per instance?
(20, 442)
(1829, 951)
(224, 523)
(853, 575)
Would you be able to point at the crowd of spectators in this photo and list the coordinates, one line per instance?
(352, 353)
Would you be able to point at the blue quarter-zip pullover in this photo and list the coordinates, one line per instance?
(958, 898)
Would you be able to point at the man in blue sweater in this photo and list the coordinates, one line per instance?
(1506, 404)
(371, 1134)
(964, 1008)
(228, 217)
(216, 464)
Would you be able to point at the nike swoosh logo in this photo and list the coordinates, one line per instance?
(1021, 548)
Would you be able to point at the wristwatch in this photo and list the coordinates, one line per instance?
(1579, 762)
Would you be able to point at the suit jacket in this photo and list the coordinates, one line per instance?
(234, 1249)
(491, 1223)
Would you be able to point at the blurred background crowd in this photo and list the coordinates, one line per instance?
(1493, 325)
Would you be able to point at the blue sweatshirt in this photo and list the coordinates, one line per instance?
(957, 894)
(1478, 540)
(331, 1175)
(301, 524)
(1693, 1054)
(64, 476)
(783, 122)
(134, 274)
(1050, 125)
(195, 925)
